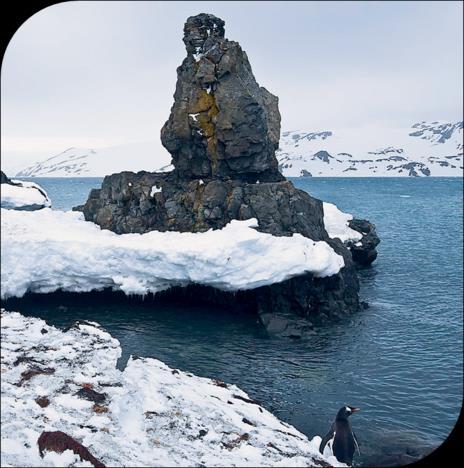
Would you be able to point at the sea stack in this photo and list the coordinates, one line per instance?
(222, 123)
(222, 133)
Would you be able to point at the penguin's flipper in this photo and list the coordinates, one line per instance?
(326, 438)
(356, 442)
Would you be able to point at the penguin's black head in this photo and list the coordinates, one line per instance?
(345, 411)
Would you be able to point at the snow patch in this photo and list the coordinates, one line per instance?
(23, 196)
(154, 190)
(61, 250)
(198, 53)
(336, 224)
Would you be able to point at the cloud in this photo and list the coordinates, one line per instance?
(103, 73)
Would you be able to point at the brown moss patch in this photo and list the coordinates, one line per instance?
(99, 409)
(42, 401)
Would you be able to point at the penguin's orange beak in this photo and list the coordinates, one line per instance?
(354, 410)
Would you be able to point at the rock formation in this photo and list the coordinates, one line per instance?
(222, 123)
(222, 134)
(4, 178)
(25, 196)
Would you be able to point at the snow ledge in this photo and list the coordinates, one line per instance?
(47, 250)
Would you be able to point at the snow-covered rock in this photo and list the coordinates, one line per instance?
(336, 224)
(47, 250)
(425, 149)
(20, 195)
(358, 235)
(146, 415)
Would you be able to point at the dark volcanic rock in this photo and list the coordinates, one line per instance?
(4, 179)
(365, 253)
(222, 134)
(222, 123)
(91, 395)
(125, 203)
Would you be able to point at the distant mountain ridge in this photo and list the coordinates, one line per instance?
(98, 162)
(424, 149)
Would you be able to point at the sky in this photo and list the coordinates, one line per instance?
(100, 74)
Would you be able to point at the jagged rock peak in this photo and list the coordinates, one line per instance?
(4, 179)
(222, 123)
(199, 28)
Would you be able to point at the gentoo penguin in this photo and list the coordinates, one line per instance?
(344, 441)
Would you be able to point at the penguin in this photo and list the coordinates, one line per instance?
(344, 441)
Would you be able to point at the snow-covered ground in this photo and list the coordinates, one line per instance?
(425, 149)
(434, 149)
(23, 196)
(45, 250)
(147, 415)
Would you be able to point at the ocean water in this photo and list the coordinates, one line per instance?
(400, 360)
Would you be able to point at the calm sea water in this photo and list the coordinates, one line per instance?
(400, 360)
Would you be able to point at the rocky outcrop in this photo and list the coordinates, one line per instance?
(222, 134)
(24, 196)
(4, 179)
(364, 252)
(222, 123)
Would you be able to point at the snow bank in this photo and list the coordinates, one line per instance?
(151, 415)
(46, 250)
(23, 196)
(336, 224)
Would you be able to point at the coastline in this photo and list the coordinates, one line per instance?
(147, 414)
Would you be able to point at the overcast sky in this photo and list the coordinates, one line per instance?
(96, 74)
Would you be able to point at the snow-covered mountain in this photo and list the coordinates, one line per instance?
(425, 149)
(98, 162)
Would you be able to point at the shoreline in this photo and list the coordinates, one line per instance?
(146, 414)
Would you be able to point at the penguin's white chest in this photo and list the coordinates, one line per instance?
(328, 450)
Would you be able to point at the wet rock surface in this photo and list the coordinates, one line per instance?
(364, 252)
(222, 133)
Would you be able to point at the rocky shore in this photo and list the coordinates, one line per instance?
(222, 133)
(64, 403)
